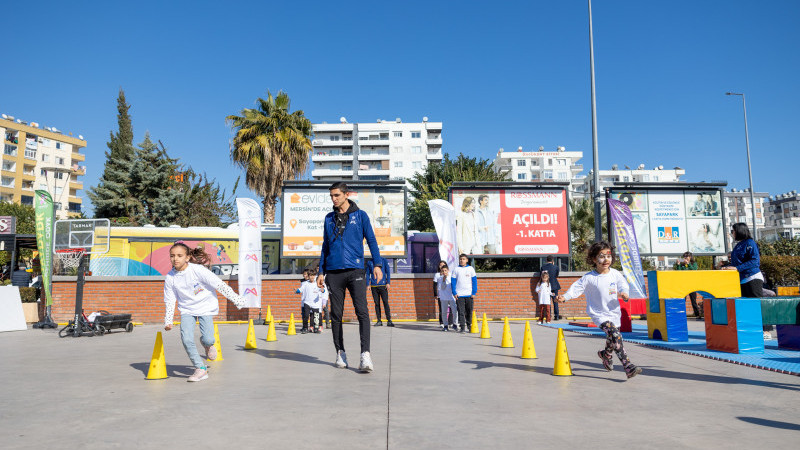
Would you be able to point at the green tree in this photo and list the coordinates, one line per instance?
(434, 182)
(581, 227)
(271, 145)
(203, 203)
(111, 197)
(152, 185)
(780, 247)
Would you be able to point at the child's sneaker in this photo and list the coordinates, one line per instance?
(366, 363)
(608, 363)
(631, 371)
(211, 353)
(341, 359)
(198, 375)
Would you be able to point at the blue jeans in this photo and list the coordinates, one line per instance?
(187, 336)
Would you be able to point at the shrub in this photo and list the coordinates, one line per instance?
(781, 270)
(28, 294)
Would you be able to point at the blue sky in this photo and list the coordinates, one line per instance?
(497, 74)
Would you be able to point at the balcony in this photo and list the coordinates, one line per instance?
(373, 171)
(434, 155)
(76, 185)
(332, 173)
(373, 141)
(433, 141)
(578, 168)
(332, 143)
(77, 156)
(370, 155)
(78, 170)
(323, 157)
(29, 176)
(74, 199)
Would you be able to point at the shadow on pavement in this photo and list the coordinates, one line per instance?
(172, 370)
(770, 423)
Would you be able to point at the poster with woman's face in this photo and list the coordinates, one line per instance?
(706, 236)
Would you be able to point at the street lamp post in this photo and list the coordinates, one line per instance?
(749, 169)
(598, 229)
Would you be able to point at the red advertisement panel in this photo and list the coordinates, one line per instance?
(511, 222)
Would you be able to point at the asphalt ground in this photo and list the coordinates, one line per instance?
(430, 389)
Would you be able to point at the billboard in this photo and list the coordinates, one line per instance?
(304, 207)
(511, 221)
(671, 221)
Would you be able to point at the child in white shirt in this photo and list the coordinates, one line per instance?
(465, 286)
(444, 291)
(309, 296)
(193, 286)
(544, 292)
(602, 287)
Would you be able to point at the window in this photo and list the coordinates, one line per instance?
(59, 190)
(10, 150)
(626, 178)
(521, 176)
(416, 164)
(521, 162)
(562, 175)
(550, 162)
(645, 177)
(59, 160)
(548, 175)
(347, 167)
(334, 138)
(398, 134)
(9, 166)
(398, 164)
(30, 154)
(58, 145)
(416, 149)
(43, 186)
(397, 149)
(45, 158)
(562, 162)
(416, 134)
(655, 177)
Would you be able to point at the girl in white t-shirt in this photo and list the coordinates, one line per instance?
(192, 285)
(602, 287)
(444, 291)
(544, 292)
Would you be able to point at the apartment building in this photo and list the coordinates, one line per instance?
(783, 217)
(43, 158)
(640, 174)
(384, 150)
(738, 208)
(527, 166)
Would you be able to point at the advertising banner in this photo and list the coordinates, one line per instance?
(511, 222)
(444, 220)
(304, 211)
(625, 234)
(43, 210)
(249, 251)
(674, 221)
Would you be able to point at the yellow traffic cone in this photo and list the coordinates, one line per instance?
(485, 329)
(271, 337)
(528, 351)
(217, 345)
(292, 330)
(268, 319)
(250, 344)
(507, 342)
(158, 365)
(473, 327)
(561, 366)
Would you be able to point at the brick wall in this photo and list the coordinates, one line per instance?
(410, 297)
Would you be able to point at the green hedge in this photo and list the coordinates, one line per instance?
(28, 294)
(781, 270)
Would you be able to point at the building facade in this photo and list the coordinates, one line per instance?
(533, 166)
(41, 158)
(384, 150)
(738, 208)
(783, 217)
(627, 175)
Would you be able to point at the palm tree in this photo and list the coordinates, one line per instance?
(271, 145)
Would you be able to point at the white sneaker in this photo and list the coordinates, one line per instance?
(211, 353)
(767, 336)
(341, 359)
(366, 363)
(198, 375)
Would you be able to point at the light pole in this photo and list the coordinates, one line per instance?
(749, 169)
(598, 207)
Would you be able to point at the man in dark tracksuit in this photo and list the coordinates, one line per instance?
(380, 291)
(553, 270)
(341, 266)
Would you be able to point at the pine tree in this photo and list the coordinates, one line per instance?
(152, 185)
(111, 197)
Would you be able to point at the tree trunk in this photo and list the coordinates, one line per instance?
(269, 209)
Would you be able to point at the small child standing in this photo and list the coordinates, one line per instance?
(444, 292)
(303, 311)
(309, 296)
(544, 292)
(602, 287)
(464, 287)
(192, 285)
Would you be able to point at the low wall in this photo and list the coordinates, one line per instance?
(410, 297)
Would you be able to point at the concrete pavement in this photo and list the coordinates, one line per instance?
(430, 389)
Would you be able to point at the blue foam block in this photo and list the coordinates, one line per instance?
(677, 328)
(749, 327)
(719, 311)
(652, 290)
(789, 336)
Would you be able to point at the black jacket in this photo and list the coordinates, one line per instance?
(553, 271)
